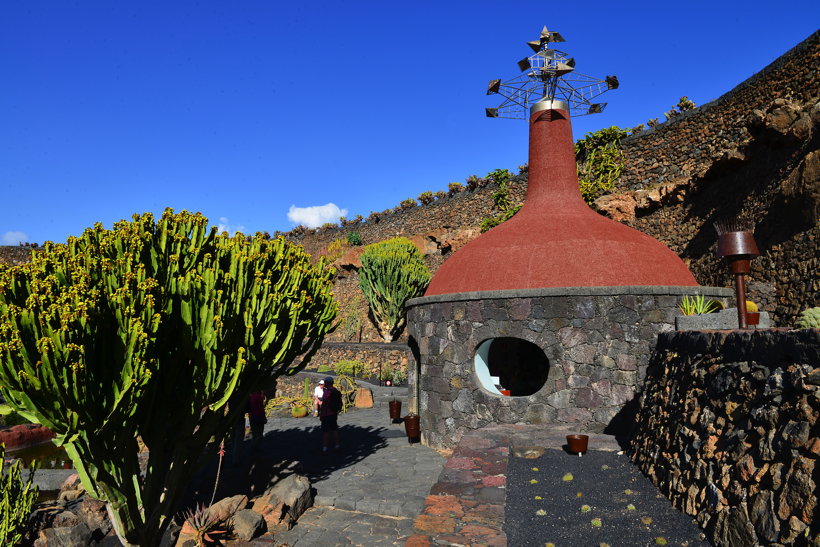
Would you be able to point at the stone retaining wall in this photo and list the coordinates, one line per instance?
(15, 254)
(376, 357)
(728, 430)
(597, 339)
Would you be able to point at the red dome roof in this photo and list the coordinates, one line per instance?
(556, 240)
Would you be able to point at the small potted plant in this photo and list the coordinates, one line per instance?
(412, 426)
(752, 313)
(395, 408)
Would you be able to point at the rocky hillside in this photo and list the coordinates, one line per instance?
(753, 151)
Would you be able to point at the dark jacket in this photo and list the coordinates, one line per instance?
(331, 402)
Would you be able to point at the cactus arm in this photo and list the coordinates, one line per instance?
(133, 331)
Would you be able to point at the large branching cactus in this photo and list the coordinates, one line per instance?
(148, 330)
(392, 272)
(17, 498)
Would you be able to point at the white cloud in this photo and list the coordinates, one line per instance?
(14, 238)
(225, 226)
(315, 216)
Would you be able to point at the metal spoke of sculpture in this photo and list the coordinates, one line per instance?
(548, 73)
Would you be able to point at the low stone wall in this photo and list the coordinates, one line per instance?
(728, 430)
(376, 357)
(597, 341)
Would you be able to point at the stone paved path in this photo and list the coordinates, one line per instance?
(380, 490)
(370, 491)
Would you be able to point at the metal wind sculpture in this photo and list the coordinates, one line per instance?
(549, 73)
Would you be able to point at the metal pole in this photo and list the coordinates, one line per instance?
(740, 287)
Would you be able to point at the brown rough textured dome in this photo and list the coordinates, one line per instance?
(556, 240)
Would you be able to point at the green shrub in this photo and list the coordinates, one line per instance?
(499, 176)
(324, 368)
(491, 222)
(809, 319)
(600, 161)
(454, 188)
(441, 194)
(157, 330)
(349, 367)
(685, 104)
(392, 272)
(501, 200)
(396, 375)
(17, 498)
(353, 238)
(473, 182)
(408, 203)
(426, 198)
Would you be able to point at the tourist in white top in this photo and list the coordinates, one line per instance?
(318, 391)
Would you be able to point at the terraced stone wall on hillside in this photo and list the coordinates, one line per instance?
(437, 229)
(14, 254)
(754, 149)
(377, 358)
(728, 429)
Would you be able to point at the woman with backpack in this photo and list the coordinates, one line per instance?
(328, 413)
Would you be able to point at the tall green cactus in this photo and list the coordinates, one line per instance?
(148, 330)
(17, 498)
(392, 273)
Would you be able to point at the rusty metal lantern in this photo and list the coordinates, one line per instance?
(737, 245)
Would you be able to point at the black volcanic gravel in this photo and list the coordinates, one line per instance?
(605, 482)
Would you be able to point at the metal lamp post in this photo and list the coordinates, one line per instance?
(738, 247)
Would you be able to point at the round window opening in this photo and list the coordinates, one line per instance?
(511, 366)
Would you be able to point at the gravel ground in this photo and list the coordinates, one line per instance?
(597, 499)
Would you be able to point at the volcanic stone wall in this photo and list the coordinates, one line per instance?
(376, 357)
(15, 254)
(597, 340)
(753, 152)
(728, 430)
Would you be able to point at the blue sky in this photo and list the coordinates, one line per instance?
(247, 110)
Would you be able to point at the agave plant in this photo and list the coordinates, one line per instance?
(697, 305)
(204, 525)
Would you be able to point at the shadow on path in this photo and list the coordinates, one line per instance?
(281, 453)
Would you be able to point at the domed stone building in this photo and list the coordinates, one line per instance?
(550, 317)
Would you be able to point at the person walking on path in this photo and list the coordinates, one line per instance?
(256, 416)
(318, 391)
(328, 413)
